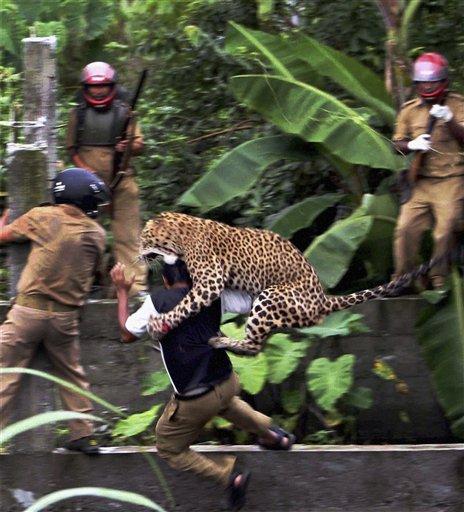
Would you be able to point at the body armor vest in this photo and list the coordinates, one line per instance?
(101, 127)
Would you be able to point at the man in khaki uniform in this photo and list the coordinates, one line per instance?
(437, 199)
(93, 137)
(67, 247)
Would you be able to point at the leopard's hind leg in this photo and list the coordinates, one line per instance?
(277, 307)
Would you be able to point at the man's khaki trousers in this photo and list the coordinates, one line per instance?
(183, 420)
(21, 333)
(436, 203)
(125, 225)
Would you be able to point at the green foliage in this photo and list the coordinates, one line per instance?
(300, 215)
(91, 396)
(330, 380)
(330, 384)
(136, 423)
(331, 253)
(314, 115)
(440, 332)
(252, 372)
(339, 323)
(283, 356)
(99, 492)
(155, 382)
(235, 173)
(42, 419)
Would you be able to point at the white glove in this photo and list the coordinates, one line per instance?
(441, 112)
(421, 143)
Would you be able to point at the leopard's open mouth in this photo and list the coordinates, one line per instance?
(153, 254)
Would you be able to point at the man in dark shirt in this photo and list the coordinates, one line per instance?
(202, 377)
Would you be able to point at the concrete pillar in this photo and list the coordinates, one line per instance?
(32, 165)
(40, 95)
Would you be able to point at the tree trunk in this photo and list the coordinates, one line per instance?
(396, 62)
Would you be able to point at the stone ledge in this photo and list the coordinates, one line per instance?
(420, 478)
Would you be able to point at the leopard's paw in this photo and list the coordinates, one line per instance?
(219, 342)
(157, 328)
(234, 346)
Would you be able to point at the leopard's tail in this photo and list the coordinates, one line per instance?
(390, 289)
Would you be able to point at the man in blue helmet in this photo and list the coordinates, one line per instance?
(67, 245)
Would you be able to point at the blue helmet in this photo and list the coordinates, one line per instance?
(80, 188)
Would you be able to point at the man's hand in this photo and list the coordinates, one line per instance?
(121, 146)
(441, 112)
(119, 278)
(421, 143)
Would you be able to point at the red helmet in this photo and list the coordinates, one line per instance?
(99, 73)
(431, 67)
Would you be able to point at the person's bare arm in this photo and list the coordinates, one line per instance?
(123, 287)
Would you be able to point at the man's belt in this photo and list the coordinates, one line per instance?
(194, 395)
(43, 303)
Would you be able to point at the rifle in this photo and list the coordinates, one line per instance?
(420, 156)
(121, 160)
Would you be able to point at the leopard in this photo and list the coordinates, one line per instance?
(286, 290)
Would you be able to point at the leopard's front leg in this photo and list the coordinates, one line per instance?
(208, 283)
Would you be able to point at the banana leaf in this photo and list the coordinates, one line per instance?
(354, 77)
(376, 249)
(43, 419)
(316, 116)
(300, 215)
(238, 170)
(331, 253)
(271, 51)
(440, 331)
(305, 59)
(99, 492)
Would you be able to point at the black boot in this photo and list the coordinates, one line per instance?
(87, 445)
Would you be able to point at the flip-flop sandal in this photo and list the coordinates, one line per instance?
(278, 445)
(237, 493)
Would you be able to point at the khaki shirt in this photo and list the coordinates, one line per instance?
(67, 249)
(98, 158)
(446, 157)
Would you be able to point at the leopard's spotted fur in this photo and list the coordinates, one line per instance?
(285, 287)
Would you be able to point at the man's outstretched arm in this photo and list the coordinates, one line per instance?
(123, 287)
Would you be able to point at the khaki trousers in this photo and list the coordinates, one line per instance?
(436, 203)
(125, 225)
(20, 336)
(183, 420)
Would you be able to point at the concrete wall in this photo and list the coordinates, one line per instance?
(117, 370)
(321, 479)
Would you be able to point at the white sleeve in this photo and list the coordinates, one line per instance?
(137, 323)
(235, 301)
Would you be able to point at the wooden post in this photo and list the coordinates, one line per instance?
(33, 164)
(40, 95)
